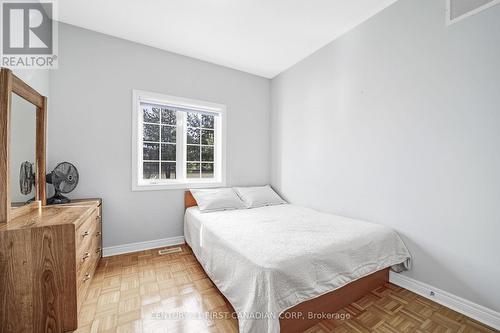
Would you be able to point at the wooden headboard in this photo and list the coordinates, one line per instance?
(189, 200)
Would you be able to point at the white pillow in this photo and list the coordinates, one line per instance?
(258, 196)
(211, 200)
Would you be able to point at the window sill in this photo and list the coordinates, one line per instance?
(176, 186)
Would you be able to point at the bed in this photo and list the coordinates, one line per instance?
(284, 268)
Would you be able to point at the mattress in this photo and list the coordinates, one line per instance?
(266, 260)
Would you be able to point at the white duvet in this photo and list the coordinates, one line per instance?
(267, 260)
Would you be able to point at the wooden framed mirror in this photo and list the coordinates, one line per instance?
(13, 89)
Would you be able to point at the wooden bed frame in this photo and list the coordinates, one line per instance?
(326, 304)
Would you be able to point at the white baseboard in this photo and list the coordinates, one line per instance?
(141, 246)
(475, 311)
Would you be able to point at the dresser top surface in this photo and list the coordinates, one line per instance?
(73, 212)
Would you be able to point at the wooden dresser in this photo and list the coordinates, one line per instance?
(48, 256)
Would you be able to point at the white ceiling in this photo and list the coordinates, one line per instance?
(262, 37)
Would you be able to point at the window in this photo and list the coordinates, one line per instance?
(176, 142)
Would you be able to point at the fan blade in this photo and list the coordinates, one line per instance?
(65, 177)
(59, 174)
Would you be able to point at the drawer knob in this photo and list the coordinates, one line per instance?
(97, 234)
(86, 233)
(85, 256)
(98, 250)
(87, 277)
(98, 217)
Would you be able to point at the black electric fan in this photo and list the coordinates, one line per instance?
(26, 178)
(64, 178)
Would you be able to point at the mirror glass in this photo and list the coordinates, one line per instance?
(22, 149)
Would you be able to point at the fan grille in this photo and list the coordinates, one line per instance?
(65, 177)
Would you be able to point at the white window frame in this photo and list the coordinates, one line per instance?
(450, 21)
(219, 179)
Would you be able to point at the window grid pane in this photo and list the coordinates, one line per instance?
(193, 170)
(168, 133)
(207, 137)
(207, 153)
(159, 142)
(150, 114)
(150, 151)
(168, 116)
(168, 170)
(207, 170)
(207, 121)
(200, 147)
(193, 135)
(150, 170)
(168, 152)
(151, 132)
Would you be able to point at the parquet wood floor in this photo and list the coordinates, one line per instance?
(135, 293)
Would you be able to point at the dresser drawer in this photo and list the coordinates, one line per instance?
(91, 253)
(83, 279)
(85, 275)
(85, 232)
(85, 254)
(86, 270)
(88, 254)
(94, 216)
(97, 243)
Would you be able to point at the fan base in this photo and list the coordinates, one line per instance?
(58, 199)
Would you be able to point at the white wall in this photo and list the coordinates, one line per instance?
(90, 125)
(398, 122)
(38, 79)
